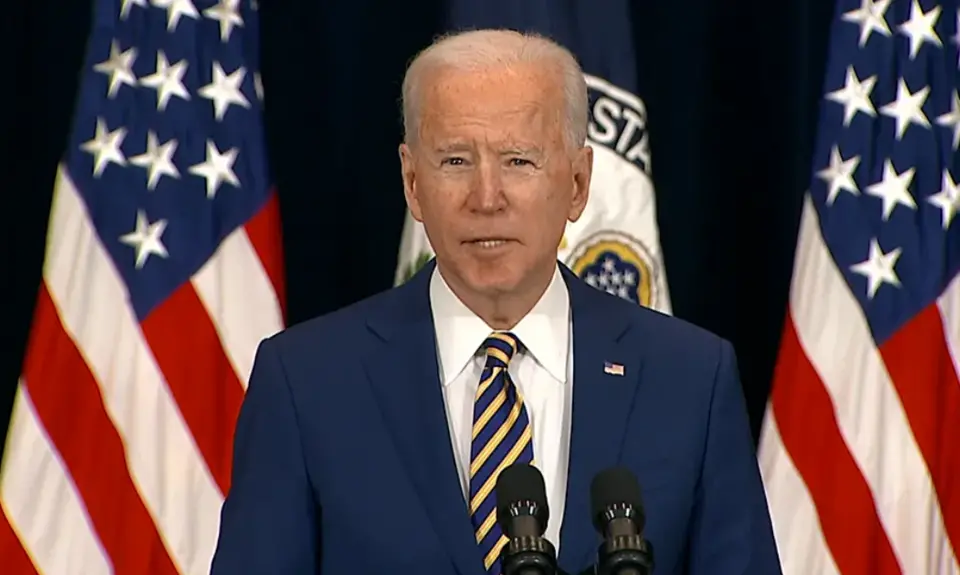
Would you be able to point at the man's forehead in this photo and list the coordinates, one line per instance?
(498, 105)
(523, 128)
(524, 80)
(491, 110)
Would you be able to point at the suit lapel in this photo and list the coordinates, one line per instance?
(404, 375)
(601, 408)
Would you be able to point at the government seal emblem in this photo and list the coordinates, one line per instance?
(614, 245)
(618, 264)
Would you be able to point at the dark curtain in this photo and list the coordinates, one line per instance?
(731, 89)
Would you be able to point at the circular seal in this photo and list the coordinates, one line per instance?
(618, 264)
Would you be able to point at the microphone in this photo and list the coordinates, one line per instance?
(522, 514)
(619, 518)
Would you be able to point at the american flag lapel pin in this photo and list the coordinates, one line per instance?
(612, 368)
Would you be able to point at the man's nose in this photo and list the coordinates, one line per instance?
(486, 194)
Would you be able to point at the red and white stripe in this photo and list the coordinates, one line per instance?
(119, 449)
(860, 452)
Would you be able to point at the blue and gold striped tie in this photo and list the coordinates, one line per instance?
(501, 436)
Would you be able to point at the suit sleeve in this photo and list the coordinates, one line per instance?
(731, 531)
(268, 523)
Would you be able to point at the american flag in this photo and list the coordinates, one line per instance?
(612, 368)
(163, 272)
(860, 450)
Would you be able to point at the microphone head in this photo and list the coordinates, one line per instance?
(521, 493)
(615, 493)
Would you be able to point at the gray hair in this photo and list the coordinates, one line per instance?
(479, 49)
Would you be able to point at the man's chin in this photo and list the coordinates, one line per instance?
(492, 277)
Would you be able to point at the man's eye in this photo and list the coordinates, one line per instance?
(455, 161)
(520, 162)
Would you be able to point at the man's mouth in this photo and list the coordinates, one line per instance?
(489, 242)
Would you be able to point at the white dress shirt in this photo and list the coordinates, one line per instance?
(543, 372)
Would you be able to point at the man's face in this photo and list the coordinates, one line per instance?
(491, 177)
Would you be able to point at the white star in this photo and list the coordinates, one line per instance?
(175, 9)
(870, 17)
(919, 28)
(839, 175)
(145, 239)
(893, 189)
(125, 6)
(158, 160)
(952, 119)
(225, 90)
(907, 108)
(119, 66)
(167, 80)
(258, 87)
(855, 96)
(947, 199)
(227, 13)
(105, 147)
(217, 168)
(878, 268)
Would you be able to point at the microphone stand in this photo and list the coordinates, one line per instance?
(526, 555)
(625, 555)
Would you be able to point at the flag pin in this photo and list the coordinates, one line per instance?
(612, 368)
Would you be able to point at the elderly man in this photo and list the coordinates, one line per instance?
(371, 438)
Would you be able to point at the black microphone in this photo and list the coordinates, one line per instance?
(522, 514)
(619, 518)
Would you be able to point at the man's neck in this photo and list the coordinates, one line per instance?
(502, 311)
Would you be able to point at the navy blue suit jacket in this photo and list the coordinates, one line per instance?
(343, 463)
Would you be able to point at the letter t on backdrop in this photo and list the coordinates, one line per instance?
(615, 246)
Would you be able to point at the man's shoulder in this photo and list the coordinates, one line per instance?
(333, 331)
(660, 330)
(675, 333)
(669, 347)
(684, 362)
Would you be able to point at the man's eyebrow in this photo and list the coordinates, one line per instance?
(505, 149)
(521, 148)
(451, 147)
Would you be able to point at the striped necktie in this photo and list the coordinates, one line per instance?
(501, 436)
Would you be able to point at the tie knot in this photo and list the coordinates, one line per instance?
(500, 346)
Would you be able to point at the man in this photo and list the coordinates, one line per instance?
(370, 439)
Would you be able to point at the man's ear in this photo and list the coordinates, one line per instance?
(409, 174)
(582, 172)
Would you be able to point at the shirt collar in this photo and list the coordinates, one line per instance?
(544, 331)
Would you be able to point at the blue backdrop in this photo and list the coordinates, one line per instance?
(731, 95)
